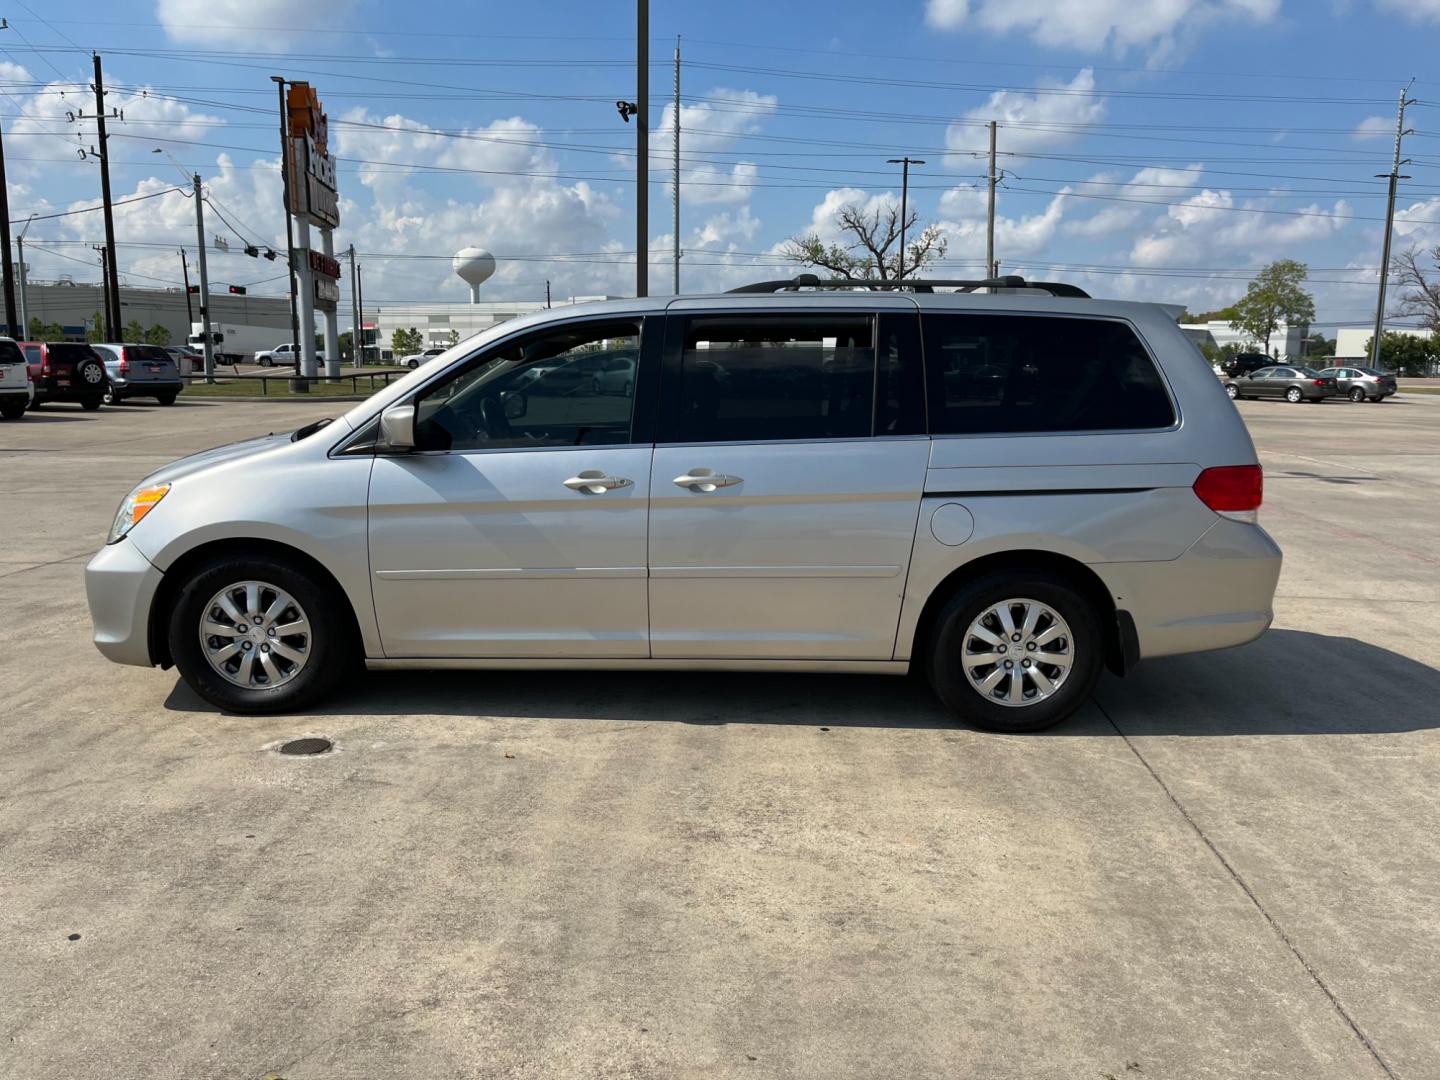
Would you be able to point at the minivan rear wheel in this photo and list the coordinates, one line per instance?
(253, 634)
(1016, 651)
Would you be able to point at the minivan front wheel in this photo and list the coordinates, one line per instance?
(1016, 651)
(252, 634)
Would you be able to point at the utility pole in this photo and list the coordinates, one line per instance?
(5, 239)
(112, 294)
(547, 293)
(357, 332)
(642, 137)
(904, 163)
(297, 384)
(677, 165)
(207, 339)
(20, 254)
(990, 264)
(360, 297)
(105, 290)
(189, 308)
(1395, 178)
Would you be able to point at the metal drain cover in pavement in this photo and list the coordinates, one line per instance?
(301, 747)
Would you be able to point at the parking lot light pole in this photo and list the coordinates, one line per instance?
(904, 163)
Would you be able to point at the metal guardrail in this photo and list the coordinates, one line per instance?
(264, 377)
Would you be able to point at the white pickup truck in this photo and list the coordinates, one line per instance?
(16, 389)
(280, 354)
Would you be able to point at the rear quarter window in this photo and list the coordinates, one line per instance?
(10, 353)
(1012, 374)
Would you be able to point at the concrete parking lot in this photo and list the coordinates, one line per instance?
(1226, 866)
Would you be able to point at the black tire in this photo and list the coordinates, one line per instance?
(166, 399)
(111, 396)
(13, 410)
(1356, 394)
(1233, 391)
(1294, 395)
(947, 644)
(90, 404)
(333, 652)
(266, 361)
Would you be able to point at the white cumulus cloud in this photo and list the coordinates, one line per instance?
(244, 24)
(1098, 24)
(1047, 117)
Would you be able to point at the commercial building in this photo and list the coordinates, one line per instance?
(1351, 341)
(1284, 342)
(75, 306)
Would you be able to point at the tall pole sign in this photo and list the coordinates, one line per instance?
(315, 202)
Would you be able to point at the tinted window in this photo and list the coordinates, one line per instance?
(1262, 373)
(10, 353)
(542, 390)
(1010, 373)
(1284, 373)
(32, 354)
(137, 352)
(781, 377)
(71, 353)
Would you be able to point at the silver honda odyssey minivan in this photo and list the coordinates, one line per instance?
(1008, 485)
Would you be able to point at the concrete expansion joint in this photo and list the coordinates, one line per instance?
(1244, 887)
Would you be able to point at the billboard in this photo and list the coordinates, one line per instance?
(313, 182)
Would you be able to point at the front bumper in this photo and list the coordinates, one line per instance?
(1218, 594)
(120, 585)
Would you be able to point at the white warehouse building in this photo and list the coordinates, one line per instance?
(1284, 342)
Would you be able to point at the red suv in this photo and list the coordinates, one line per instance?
(65, 371)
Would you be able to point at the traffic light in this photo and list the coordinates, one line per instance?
(193, 289)
(237, 290)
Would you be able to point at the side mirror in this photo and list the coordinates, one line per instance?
(397, 427)
(516, 404)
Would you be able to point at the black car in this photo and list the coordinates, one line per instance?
(1294, 384)
(65, 371)
(1244, 363)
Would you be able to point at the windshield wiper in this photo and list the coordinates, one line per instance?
(310, 429)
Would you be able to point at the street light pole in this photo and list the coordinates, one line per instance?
(20, 258)
(207, 341)
(642, 137)
(904, 163)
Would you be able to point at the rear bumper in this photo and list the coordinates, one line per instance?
(145, 387)
(1220, 593)
(120, 586)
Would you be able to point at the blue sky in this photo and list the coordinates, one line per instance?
(1156, 150)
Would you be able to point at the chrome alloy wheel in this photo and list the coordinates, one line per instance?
(1018, 652)
(92, 374)
(255, 635)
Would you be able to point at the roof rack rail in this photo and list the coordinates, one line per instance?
(919, 285)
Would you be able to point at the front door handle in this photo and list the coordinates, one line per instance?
(706, 480)
(595, 482)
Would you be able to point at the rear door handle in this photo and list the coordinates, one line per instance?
(706, 480)
(595, 482)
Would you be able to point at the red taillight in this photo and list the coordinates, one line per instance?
(1321, 382)
(1231, 489)
(124, 362)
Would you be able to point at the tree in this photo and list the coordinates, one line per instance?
(1225, 313)
(45, 331)
(405, 342)
(1317, 346)
(96, 331)
(157, 335)
(134, 333)
(1408, 354)
(1421, 296)
(452, 338)
(1275, 296)
(874, 251)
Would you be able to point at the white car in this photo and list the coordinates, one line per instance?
(416, 359)
(280, 354)
(17, 390)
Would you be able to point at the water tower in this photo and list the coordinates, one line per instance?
(474, 266)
